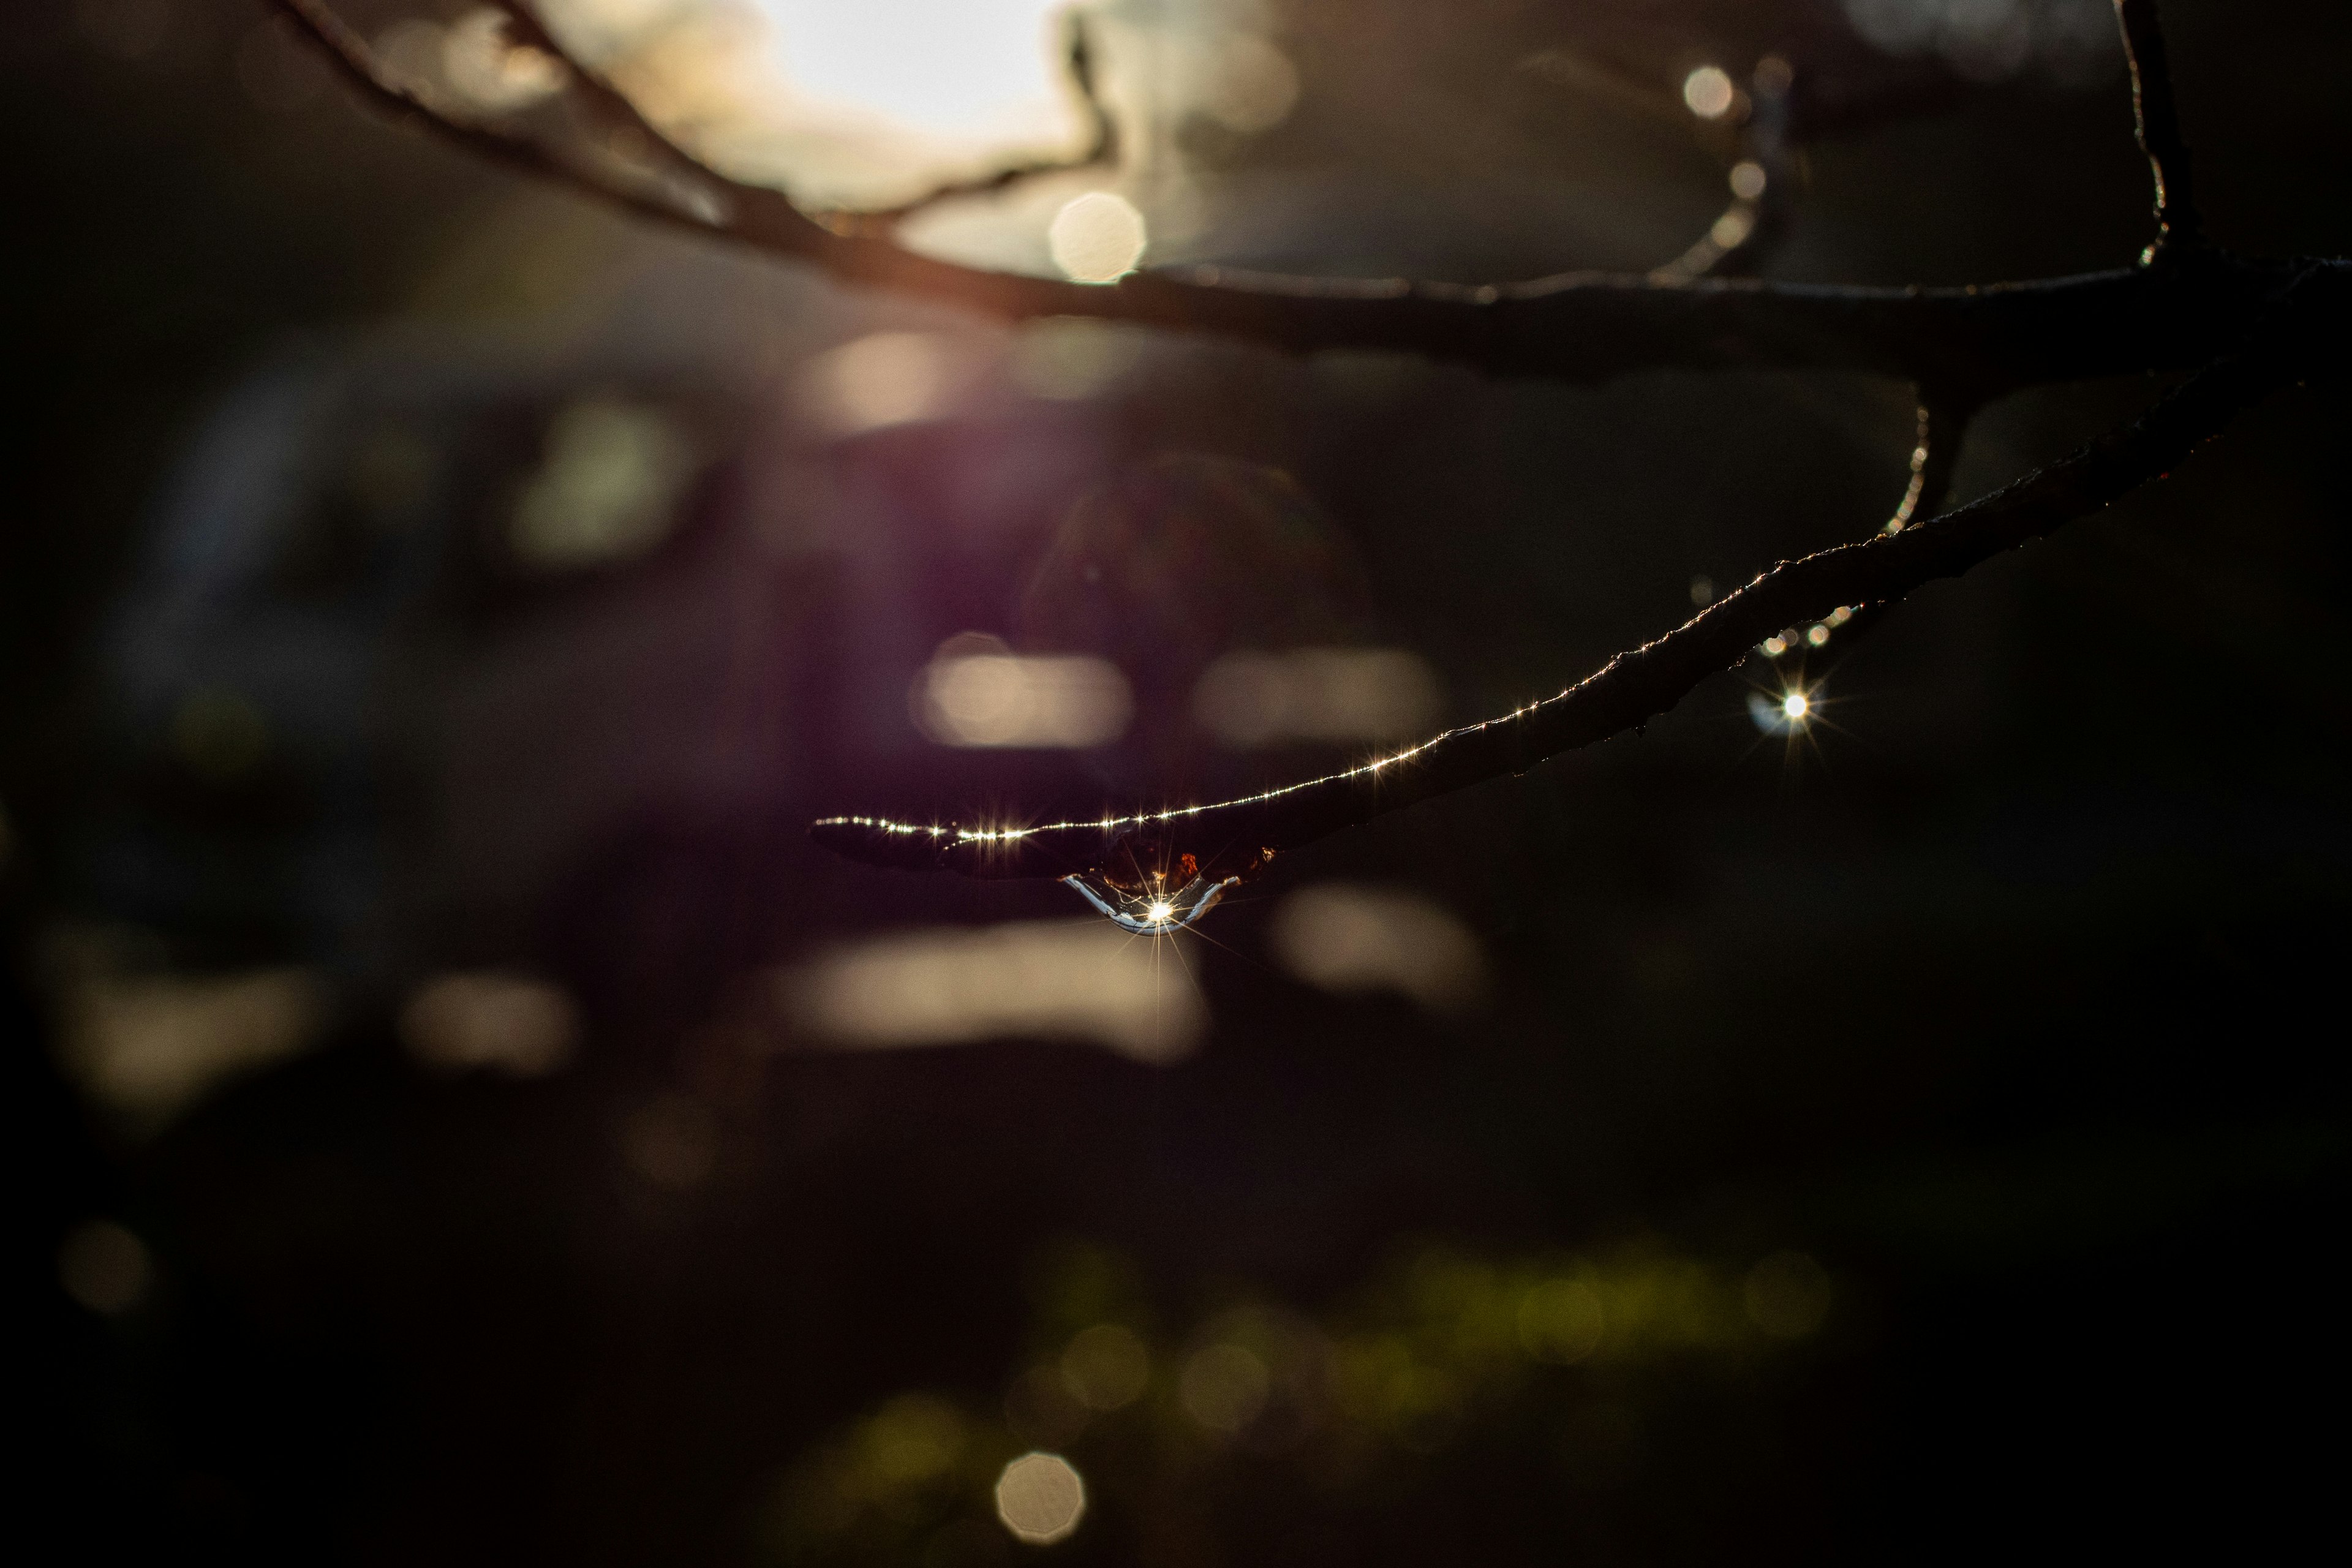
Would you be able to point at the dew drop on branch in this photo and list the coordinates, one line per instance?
(1146, 883)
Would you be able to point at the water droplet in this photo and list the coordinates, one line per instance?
(1146, 884)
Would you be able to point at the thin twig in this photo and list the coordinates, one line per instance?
(2305, 328)
(1572, 326)
(1809, 653)
(1968, 344)
(1752, 226)
(1943, 425)
(2156, 117)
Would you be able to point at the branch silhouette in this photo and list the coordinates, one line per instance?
(2242, 325)
(1572, 326)
(2305, 329)
(2156, 117)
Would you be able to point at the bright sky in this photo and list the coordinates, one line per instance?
(955, 68)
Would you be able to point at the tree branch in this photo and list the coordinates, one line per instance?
(2156, 118)
(1943, 423)
(1577, 326)
(1961, 346)
(2305, 328)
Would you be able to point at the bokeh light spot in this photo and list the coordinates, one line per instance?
(1040, 1498)
(883, 379)
(1107, 1366)
(977, 692)
(1097, 239)
(511, 1022)
(1224, 1387)
(1253, 84)
(1709, 92)
(1560, 1321)
(613, 474)
(1045, 979)
(104, 1267)
(1352, 940)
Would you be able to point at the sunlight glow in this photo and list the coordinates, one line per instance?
(972, 67)
(489, 72)
(851, 105)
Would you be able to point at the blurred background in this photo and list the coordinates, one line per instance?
(466, 1122)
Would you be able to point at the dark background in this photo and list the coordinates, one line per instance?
(2013, 998)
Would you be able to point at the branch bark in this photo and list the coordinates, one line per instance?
(2156, 118)
(1960, 346)
(2305, 328)
(1576, 326)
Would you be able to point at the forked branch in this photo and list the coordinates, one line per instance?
(2305, 328)
(1574, 326)
(2157, 116)
(2243, 325)
(1805, 654)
